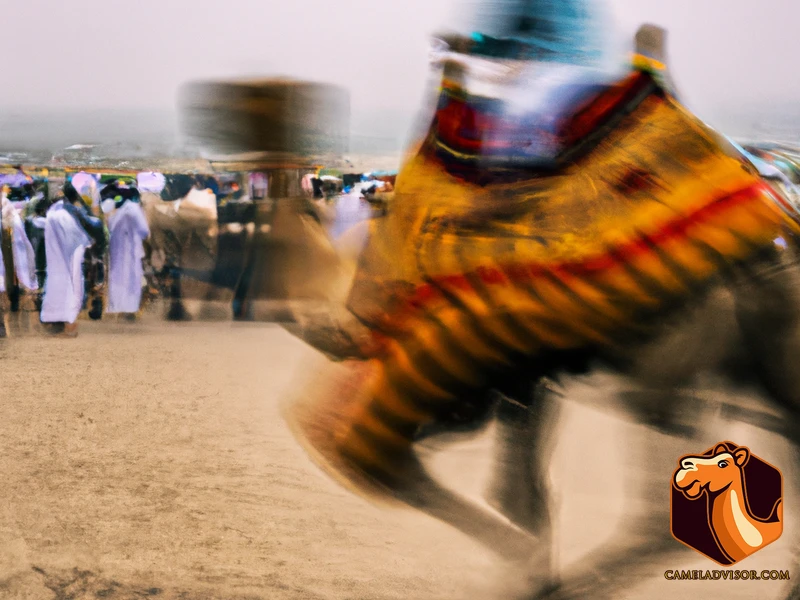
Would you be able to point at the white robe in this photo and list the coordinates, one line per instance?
(21, 248)
(4, 215)
(128, 229)
(65, 243)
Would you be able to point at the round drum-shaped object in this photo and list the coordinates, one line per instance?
(274, 115)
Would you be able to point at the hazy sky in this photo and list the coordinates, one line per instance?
(134, 53)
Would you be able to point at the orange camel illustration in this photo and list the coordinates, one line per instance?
(721, 478)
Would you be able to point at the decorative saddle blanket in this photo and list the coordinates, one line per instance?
(619, 197)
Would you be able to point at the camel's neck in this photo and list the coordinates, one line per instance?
(738, 533)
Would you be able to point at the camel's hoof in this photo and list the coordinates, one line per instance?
(573, 591)
(546, 591)
(521, 511)
(178, 313)
(794, 593)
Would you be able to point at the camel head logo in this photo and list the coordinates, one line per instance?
(698, 474)
(726, 503)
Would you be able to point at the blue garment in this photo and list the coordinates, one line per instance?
(570, 31)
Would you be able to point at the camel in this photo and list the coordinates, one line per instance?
(183, 239)
(361, 425)
(720, 479)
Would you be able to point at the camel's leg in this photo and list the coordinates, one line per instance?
(359, 425)
(793, 589)
(526, 427)
(526, 437)
(768, 308)
(670, 422)
(485, 527)
(177, 312)
(521, 489)
(410, 485)
(644, 539)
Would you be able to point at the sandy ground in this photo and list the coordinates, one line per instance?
(150, 460)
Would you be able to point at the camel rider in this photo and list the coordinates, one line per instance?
(566, 31)
(536, 61)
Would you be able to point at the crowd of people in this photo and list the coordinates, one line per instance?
(107, 247)
(55, 246)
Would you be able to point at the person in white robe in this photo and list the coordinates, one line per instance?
(65, 243)
(22, 252)
(4, 299)
(127, 229)
(20, 273)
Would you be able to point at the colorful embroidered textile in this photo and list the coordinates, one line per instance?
(639, 188)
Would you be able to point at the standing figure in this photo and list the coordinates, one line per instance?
(34, 230)
(4, 295)
(69, 230)
(94, 258)
(17, 266)
(128, 229)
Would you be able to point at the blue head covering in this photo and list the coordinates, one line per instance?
(570, 31)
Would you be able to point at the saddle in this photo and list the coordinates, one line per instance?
(537, 122)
